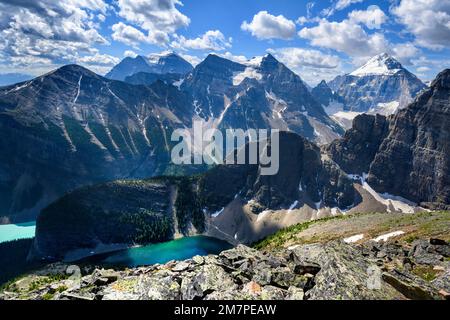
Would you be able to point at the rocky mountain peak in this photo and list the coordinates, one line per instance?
(382, 64)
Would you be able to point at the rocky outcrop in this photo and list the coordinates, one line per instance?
(335, 271)
(414, 160)
(357, 149)
(410, 158)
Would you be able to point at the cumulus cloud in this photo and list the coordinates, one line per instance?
(130, 54)
(346, 36)
(212, 40)
(312, 65)
(404, 52)
(427, 20)
(49, 32)
(158, 17)
(299, 57)
(194, 60)
(98, 59)
(342, 4)
(133, 37)
(267, 26)
(373, 17)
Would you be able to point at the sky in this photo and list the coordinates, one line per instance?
(317, 39)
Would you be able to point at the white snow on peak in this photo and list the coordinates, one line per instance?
(249, 72)
(378, 65)
(254, 62)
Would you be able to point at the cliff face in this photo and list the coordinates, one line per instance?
(146, 211)
(414, 160)
(407, 155)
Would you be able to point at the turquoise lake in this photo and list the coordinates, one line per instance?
(181, 249)
(9, 232)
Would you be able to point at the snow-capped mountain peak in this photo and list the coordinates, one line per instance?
(382, 64)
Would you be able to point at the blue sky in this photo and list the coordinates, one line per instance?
(317, 39)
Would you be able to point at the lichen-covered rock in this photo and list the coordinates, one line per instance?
(334, 270)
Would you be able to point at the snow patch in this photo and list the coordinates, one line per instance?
(354, 238)
(217, 213)
(293, 206)
(385, 109)
(387, 236)
(376, 66)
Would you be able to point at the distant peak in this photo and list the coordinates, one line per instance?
(323, 83)
(381, 64)
(269, 58)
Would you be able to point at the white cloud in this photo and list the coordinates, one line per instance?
(127, 34)
(347, 37)
(337, 6)
(236, 58)
(403, 52)
(194, 60)
(132, 37)
(98, 59)
(211, 40)
(311, 65)
(373, 17)
(34, 33)
(427, 20)
(130, 54)
(158, 17)
(342, 4)
(267, 26)
(299, 57)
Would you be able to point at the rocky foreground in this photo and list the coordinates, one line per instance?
(335, 270)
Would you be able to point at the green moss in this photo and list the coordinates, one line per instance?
(425, 272)
(48, 296)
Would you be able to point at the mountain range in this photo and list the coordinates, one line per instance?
(399, 164)
(167, 62)
(75, 124)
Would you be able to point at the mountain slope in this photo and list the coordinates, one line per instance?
(381, 86)
(411, 158)
(333, 104)
(263, 93)
(156, 63)
(72, 127)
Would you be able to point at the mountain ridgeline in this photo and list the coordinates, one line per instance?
(72, 127)
(406, 155)
(156, 64)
